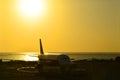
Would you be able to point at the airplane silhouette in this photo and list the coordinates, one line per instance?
(60, 63)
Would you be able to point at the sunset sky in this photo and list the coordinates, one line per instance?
(63, 25)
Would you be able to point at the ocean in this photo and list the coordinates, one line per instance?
(33, 56)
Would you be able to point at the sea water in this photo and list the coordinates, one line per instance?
(33, 56)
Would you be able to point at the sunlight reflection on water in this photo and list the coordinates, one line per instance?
(24, 56)
(33, 56)
(30, 58)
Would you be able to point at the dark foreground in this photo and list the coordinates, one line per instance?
(83, 70)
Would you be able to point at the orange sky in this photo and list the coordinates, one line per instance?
(63, 25)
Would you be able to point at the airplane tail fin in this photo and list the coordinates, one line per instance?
(41, 48)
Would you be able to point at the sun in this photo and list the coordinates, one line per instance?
(31, 8)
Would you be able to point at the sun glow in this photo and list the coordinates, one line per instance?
(31, 9)
(30, 58)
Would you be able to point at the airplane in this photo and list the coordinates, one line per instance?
(53, 63)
